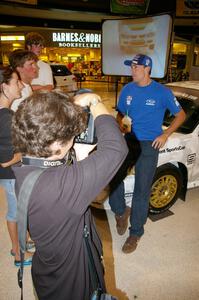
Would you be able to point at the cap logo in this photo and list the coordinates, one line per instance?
(139, 59)
(135, 62)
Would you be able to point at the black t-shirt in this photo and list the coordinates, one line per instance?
(6, 148)
(58, 210)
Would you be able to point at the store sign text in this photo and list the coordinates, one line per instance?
(76, 39)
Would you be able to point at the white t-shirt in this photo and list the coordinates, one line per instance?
(45, 74)
(26, 92)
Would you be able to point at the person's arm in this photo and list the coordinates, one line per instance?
(16, 158)
(48, 87)
(160, 141)
(45, 79)
(93, 101)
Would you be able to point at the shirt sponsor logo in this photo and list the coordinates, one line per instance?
(128, 100)
(150, 102)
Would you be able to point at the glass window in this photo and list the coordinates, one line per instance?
(192, 119)
(60, 70)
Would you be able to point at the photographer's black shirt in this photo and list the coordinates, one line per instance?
(58, 210)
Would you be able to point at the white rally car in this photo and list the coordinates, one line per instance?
(178, 164)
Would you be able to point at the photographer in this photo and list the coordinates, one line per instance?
(44, 128)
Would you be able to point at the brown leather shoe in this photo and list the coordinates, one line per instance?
(131, 244)
(122, 221)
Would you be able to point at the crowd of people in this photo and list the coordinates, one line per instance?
(39, 123)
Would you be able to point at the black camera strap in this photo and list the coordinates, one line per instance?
(98, 293)
(41, 162)
(22, 211)
(92, 268)
(46, 163)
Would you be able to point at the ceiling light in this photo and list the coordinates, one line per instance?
(12, 38)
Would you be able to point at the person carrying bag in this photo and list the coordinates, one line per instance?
(44, 129)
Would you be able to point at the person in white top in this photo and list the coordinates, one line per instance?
(24, 62)
(35, 42)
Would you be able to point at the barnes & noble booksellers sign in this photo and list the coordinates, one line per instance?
(76, 39)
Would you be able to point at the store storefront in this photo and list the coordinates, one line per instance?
(79, 50)
(185, 56)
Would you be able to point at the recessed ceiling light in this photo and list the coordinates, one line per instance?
(7, 26)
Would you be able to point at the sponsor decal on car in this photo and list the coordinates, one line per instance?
(191, 158)
(185, 95)
(172, 149)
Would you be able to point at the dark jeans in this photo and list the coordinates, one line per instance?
(145, 167)
(132, 156)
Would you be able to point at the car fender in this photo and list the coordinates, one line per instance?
(178, 150)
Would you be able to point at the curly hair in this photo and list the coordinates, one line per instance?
(17, 58)
(42, 119)
(34, 38)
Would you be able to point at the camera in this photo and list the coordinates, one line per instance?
(88, 136)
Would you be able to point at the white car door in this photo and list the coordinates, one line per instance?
(193, 159)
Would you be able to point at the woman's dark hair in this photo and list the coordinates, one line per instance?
(5, 74)
(44, 118)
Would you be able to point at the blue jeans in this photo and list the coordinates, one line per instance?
(9, 186)
(145, 168)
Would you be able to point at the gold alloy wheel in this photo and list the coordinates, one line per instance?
(163, 191)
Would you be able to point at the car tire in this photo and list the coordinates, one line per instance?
(165, 190)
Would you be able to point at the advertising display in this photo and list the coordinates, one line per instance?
(187, 8)
(133, 7)
(124, 38)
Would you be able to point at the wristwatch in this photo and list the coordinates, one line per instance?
(94, 101)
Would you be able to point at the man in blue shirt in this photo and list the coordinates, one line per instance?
(141, 108)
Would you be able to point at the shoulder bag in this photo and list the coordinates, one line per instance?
(98, 293)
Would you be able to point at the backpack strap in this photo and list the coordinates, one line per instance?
(22, 217)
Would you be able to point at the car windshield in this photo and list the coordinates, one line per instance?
(192, 119)
(60, 70)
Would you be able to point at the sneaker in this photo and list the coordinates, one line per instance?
(131, 244)
(26, 262)
(122, 221)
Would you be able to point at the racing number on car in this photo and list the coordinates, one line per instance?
(191, 158)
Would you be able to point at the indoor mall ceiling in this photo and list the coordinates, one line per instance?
(76, 14)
